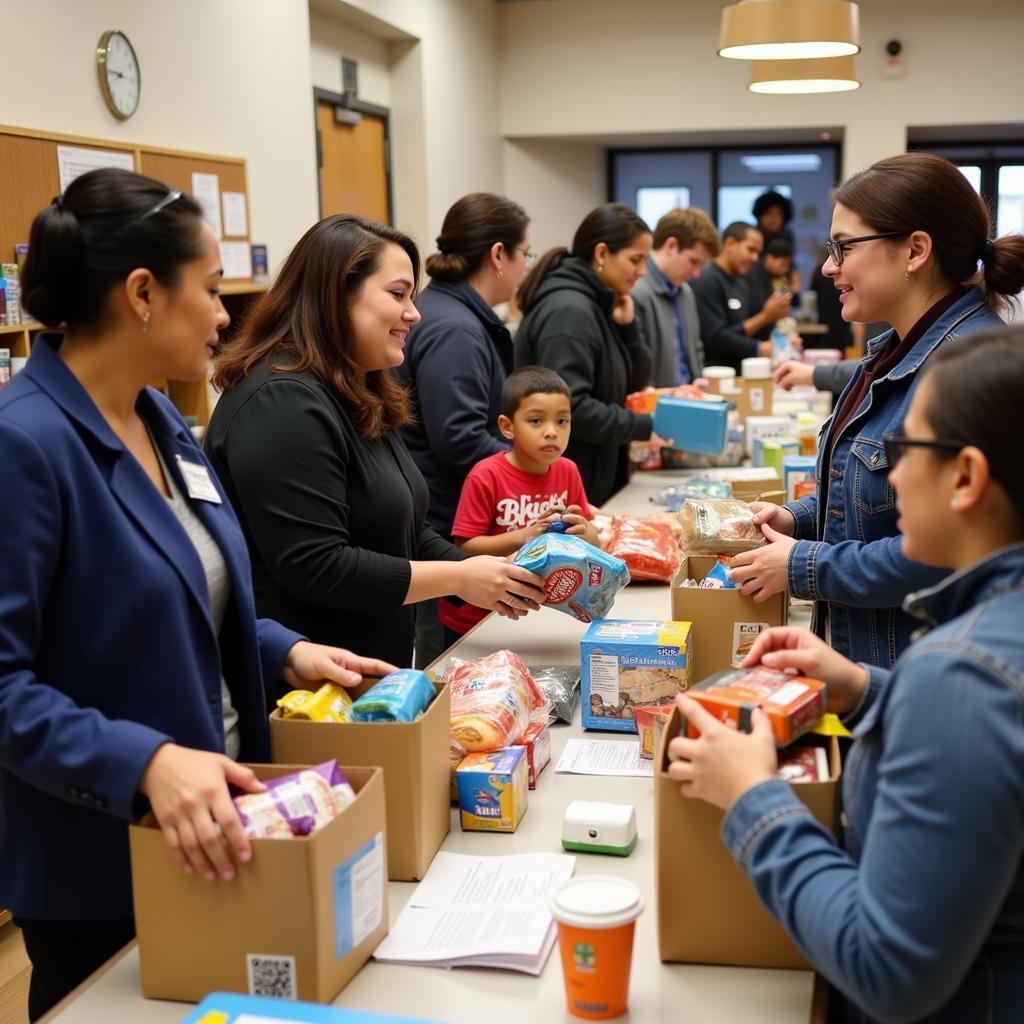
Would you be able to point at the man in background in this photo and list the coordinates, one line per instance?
(770, 275)
(666, 310)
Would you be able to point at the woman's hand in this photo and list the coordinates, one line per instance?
(624, 309)
(778, 517)
(307, 663)
(788, 647)
(497, 584)
(763, 572)
(722, 763)
(188, 791)
(791, 374)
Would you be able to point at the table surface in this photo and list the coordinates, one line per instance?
(658, 992)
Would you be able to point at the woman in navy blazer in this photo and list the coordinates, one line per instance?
(115, 684)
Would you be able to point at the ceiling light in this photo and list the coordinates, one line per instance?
(789, 29)
(786, 77)
(781, 163)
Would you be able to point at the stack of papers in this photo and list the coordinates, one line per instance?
(480, 912)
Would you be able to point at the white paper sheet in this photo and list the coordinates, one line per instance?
(206, 192)
(604, 757)
(236, 220)
(73, 161)
(236, 260)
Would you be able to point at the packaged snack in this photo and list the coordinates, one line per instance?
(793, 703)
(493, 700)
(561, 685)
(331, 703)
(455, 755)
(803, 764)
(297, 804)
(668, 521)
(697, 487)
(650, 549)
(398, 697)
(537, 741)
(646, 718)
(579, 579)
(493, 790)
(632, 663)
(603, 524)
(718, 577)
(713, 527)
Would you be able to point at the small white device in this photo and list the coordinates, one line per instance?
(595, 827)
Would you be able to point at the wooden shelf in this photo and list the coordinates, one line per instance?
(19, 328)
(242, 288)
(5, 916)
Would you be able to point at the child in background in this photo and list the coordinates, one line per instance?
(512, 497)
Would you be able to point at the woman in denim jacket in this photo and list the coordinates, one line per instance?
(921, 916)
(907, 235)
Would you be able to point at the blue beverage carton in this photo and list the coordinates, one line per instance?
(692, 424)
(493, 787)
(630, 663)
(796, 469)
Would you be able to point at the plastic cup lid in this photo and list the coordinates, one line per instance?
(756, 367)
(597, 901)
(719, 372)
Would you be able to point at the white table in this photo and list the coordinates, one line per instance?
(658, 992)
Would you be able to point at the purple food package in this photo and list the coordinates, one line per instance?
(296, 804)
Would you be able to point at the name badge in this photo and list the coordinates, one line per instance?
(197, 481)
(735, 303)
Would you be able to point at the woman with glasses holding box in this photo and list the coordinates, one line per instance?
(907, 238)
(132, 664)
(919, 916)
(457, 358)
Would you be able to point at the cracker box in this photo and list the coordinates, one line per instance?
(649, 723)
(792, 703)
(627, 663)
(765, 426)
(537, 740)
(493, 787)
(797, 469)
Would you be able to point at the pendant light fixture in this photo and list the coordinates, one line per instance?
(790, 77)
(789, 29)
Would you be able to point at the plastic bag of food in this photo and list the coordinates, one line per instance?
(650, 548)
(330, 703)
(698, 487)
(297, 804)
(713, 527)
(718, 577)
(398, 697)
(561, 685)
(579, 579)
(493, 700)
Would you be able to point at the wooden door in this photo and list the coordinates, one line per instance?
(353, 166)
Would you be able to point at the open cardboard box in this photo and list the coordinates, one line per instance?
(415, 759)
(708, 912)
(725, 623)
(299, 920)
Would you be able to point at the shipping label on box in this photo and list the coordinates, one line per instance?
(626, 663)
(493, 787)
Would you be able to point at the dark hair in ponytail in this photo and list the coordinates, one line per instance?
(92, 237)
(976, 387)
(612, 223)
(921, 192)
(473, 224)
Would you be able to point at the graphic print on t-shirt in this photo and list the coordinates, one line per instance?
(515, 513)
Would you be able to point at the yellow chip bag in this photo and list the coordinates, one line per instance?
(329, 704)
(292, 700)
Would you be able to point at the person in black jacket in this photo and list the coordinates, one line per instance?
(579, 322)
(305, 439)
(457, 359)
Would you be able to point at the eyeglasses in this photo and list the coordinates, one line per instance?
(528, 254)
(171, 197)
(837, 250)
(896, 446)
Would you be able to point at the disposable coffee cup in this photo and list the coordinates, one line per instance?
(596, 917)
(718, 377)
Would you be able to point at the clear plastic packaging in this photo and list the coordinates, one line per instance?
(697, 487)
(561, 685)
(398, 697)
(713, 527)
(649, 547)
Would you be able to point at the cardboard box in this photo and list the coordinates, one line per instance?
(753, 397)
(765, 426)
(708, 912)
(797, 469)
(725, 623)
(297, 921)
(625, 663)
(415, 758)
(748, 483)
(493, 790)
(537, 741)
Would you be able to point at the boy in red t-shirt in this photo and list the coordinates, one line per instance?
(511, 497)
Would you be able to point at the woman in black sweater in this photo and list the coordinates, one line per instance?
(305, 440)
(579, 322)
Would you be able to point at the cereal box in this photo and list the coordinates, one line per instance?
(537, 740)
(493, 787)
(628, 663)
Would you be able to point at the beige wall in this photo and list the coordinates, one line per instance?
(230, 77)
(598, 67)
(330, 40)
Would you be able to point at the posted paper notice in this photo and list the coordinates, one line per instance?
(206, 192)
(74, 161)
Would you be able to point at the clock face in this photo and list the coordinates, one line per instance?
(120, 81)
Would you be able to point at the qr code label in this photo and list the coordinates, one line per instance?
(272, 976)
